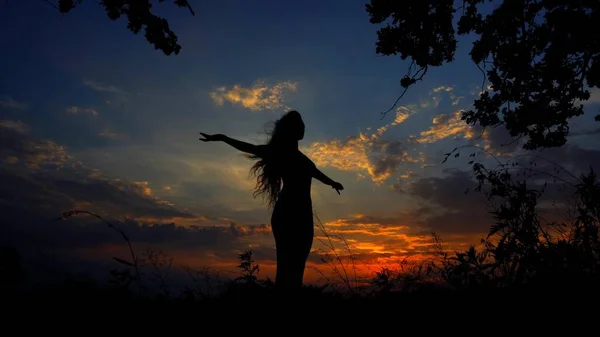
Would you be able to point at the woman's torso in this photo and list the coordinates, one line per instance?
(296, 171)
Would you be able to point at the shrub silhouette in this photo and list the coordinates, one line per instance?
(521, 248)
(11, 272)
(249, 268)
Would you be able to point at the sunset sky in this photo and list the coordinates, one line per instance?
(93, 118)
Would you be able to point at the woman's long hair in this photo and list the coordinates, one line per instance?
(267, 167)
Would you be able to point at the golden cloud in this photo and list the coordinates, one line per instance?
(374, 241)
(367, 153)
(443, 88)
(367, 243)
(258, 97)
(436, 97)
(451, 125)
(348, 155)
(444, 126)
(142, 187)
(47, 152)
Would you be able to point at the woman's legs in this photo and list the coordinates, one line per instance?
(293, 242)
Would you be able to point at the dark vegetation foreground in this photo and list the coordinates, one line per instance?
(72, 305)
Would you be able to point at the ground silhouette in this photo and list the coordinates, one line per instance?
(284, 176)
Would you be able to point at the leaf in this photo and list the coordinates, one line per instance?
(64, 6)
(127, 263)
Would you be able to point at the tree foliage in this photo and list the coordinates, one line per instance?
(139, 15)
(541, 57)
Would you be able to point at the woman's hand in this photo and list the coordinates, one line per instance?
(338, 187)
(211, 138)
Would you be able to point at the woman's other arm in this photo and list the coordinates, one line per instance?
(322, 177)
(237, 144)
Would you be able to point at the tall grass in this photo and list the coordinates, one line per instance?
(334, 260)
(208, 281)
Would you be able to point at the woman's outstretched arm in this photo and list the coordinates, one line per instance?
(237, 144)
(322, 177)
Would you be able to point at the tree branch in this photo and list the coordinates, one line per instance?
(51, 4)
(413, 80)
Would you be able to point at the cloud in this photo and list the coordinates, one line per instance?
(40, 179)
(370, 237)
(258, 97)
(377, 242)
(110, 135)
(497, 141)
(379, 159)
(450, 91)
(104, 88)
(144, 187)
(456, 99)
(444, 126)
(35, 169)
(442, 88)
(73, 110)
(16, 126)
(34, 155)
(382, 157)
(82, 231)
(368, 153)
(7, 102)
(450, 205)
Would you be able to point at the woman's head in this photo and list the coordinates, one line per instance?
(288, 130)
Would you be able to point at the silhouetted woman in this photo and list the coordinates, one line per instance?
(280, 161)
